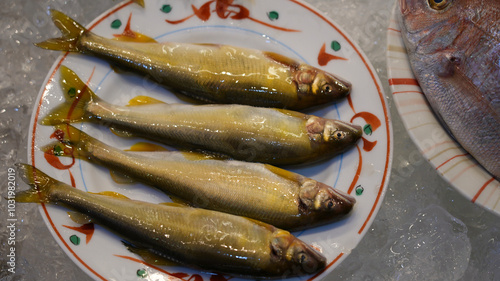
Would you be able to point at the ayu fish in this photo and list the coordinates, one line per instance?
(205, 239)
(267, 135)
(454, 50)
(284, 199)
(212, 73)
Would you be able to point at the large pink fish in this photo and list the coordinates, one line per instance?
(454, 50)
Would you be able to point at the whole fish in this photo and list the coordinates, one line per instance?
(284, 199)
(274, 136)
(209, 72)
(454, 50)
(207, 239)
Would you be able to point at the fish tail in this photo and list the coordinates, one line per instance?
(71, 142)
(77, 96)
(39, 182)
(71, 34)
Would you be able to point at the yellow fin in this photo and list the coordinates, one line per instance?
(140, 3)
(143, 100)
(196, 156)
(128, 35)
(138, 38)
(79, 218)
(282, 59)
(111, 194)
(120, 178)
(284, 173)
(121, 133)
(39, 182)
(77, 96)
(71, 33)
(178, 201)
(174, 204)
(146, 146)
(149, 256)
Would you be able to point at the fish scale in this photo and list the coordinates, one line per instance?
(206, 239)
(208, 72)
(253, 190)
(455, 55)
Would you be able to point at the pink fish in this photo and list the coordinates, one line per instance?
(454, 50)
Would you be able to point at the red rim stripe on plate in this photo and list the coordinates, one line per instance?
(386, 115)
(330, 264)
(456, 156)
(381, 96)
(403, 81)
(482, 189)
(34, 134)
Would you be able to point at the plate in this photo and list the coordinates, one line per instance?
(267, 25)
(449, 159)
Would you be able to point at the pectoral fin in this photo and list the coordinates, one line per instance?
(149, 256)
(121, 178)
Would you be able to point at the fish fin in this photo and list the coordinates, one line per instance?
(179, 204)
(71, 34)
(146, 146)
(148, 256)
(197, 156)
(128, 35)
(39, 182)
(176, 201)
(71, 142)
(283, 173)
(120, 178)
(282, 59)
(77, 96)
(144, 100)
(117, 69)
(137, 38)
(111, 194)
(121, 133)
(188, 98)
(263, 224)
(140, 3)
(79, 218)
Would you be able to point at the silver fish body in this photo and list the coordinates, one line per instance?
(284, 199)
(454, 50)
(209, 72)
(185, 235)
(273, 136)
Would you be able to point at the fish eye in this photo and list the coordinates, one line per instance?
(338, 135)
(439, 4)
(301, 257)
(326, 88)
(330, 204)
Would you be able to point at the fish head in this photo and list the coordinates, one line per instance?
(316, 86)
(333, 135)
(295, 255)
(324, 202)
(429, 26)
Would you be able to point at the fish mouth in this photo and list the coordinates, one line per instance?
(341, 87)
(344, 201)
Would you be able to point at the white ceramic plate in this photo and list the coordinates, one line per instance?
(268, 25)
(449, 159)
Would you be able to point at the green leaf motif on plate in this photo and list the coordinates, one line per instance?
(335, 45)
(75, 240)
(166, 9)
(142, 273)
(273, 15)
(359, 190)
(368, 129)
(116, 24)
